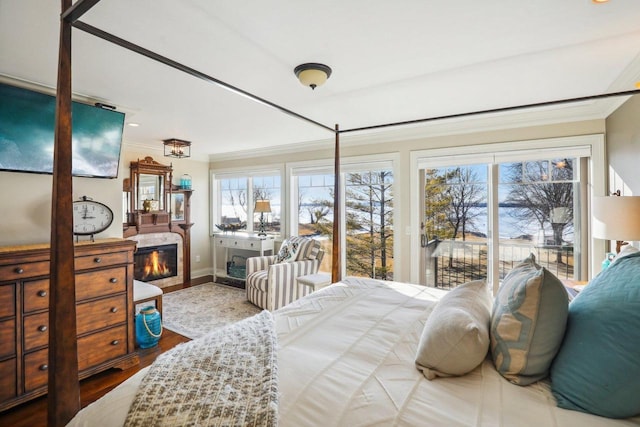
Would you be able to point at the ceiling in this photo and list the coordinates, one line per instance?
(392, 62)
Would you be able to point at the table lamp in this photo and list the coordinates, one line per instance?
(262, 206)
(616, 218)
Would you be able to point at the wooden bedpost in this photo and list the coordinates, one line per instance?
(336, 261)
(63, 386)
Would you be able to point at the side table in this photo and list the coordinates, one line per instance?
(312, 282)
(573, 287)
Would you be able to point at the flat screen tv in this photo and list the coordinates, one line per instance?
(27, 120)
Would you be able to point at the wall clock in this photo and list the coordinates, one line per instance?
(90, 217)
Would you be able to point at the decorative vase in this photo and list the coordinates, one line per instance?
(148, 327)
(185, 182)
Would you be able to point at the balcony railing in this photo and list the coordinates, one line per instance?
(452, 263)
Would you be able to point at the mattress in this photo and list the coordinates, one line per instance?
(346, 358)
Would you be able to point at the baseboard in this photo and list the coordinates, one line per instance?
(202, 279)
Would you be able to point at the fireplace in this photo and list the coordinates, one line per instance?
(156, 262)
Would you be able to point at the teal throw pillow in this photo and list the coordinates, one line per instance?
(597, 369)
(527, 322)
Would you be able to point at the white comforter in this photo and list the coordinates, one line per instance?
(346, 358)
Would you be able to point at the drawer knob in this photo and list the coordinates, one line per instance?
(115, 342)
(44, 367)
(42, 328)
(114, 309)
(19, 270)
(97, 260)
(42, 293)
(113, 280)
(251, 244)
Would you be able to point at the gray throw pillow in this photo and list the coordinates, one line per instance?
(455, 338)
(528, 322)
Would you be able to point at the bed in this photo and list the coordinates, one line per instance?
(345, 354)
(345, 357)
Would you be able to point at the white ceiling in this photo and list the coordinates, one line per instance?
(391, 61)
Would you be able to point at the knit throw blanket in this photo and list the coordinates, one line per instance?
(225, 378)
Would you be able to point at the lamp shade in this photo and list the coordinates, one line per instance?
(262, 206)
(616, 218)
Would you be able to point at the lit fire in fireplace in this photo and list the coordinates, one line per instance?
(154, 266)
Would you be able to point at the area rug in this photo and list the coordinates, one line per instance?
(197, 310)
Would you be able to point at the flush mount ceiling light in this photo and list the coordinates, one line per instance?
(177, 148)
(312, 74)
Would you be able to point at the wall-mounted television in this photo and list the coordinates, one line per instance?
(27, 120)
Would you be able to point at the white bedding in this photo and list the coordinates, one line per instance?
(346, 358)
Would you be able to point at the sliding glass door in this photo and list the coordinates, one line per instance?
(537, 201)
(480, 219)
(455, 224)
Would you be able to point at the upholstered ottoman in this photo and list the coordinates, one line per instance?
(145, 292)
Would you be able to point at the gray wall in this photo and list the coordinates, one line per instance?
(623, 148)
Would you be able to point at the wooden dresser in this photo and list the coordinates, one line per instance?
(104, 312)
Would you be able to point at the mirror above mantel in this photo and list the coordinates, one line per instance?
(150, 185)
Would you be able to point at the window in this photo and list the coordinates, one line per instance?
(233, 195)
(236, 195)
(369, 223)
(268, 188)
(366, 188)
(314, 217)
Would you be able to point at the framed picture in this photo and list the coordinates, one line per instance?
(177, 207)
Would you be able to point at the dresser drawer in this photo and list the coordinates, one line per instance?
(8, 337)
(90, 316)
(100, 347)
(92, 350)
(36, 331)
(36, 295)
(101, 260)
(7, 300)
(8, 379)
(98, 283)
(36, 366)
(25, 270)
(101, 314)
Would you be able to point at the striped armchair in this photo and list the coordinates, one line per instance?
(271, 280)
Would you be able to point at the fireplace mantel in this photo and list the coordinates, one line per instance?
(173, 215)
(153, 223)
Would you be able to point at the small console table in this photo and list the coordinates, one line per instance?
(225, 245)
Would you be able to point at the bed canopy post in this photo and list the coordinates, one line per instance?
(336, 261)
(63, 385)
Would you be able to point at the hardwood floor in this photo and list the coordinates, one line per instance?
(34, 413)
